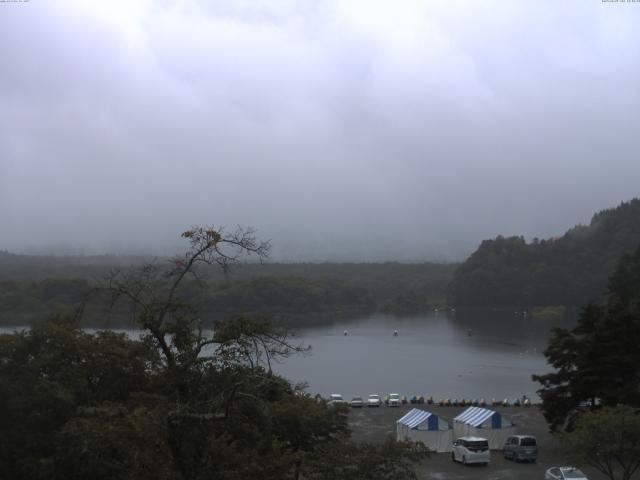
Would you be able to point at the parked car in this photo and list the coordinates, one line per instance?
(335, 398)
(521, 447)
(471, 450)
(374, 400)
(357, 402)
(562, 473)
(394, 400)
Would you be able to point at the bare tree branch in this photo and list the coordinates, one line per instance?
(154, 293)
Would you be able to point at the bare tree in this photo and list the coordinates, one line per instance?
(253, 341)
(154, 292)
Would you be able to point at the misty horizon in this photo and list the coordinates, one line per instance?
(342, 131)
(66, 251)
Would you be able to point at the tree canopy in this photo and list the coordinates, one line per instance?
(571, 269)
(180, 402)
(608, 440)
(31, 287)
(598, 361)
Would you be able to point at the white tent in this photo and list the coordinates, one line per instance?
(426, 427)
(481, 422)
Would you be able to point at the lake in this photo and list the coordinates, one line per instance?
(472, 354)
(466, 354)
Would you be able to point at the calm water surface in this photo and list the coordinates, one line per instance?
(476, 354)
(472, 355)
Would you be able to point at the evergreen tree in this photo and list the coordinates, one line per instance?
(598, 361)
(571, 269)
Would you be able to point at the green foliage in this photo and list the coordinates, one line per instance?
(175, 404)
(361, 461)
(22, 300)
(606, 439)
(290, 293)
(47, 374)
(406, 303)
(80, 405)
(598, 361)
(567, 270)
(113, 442)
(288, 296)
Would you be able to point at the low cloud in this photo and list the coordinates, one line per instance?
(341, 130)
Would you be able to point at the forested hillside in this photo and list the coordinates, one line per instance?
(567, 270)
(36, 286)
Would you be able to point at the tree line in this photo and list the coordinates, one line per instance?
(293, 293)
(568, 270)
(592, 399)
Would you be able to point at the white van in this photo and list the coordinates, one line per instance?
(471, 450)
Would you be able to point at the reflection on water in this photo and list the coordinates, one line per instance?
(470, 354)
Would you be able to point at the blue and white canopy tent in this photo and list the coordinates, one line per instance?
(421, 426)
(482, 422)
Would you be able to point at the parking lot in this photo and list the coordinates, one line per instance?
(375, 424)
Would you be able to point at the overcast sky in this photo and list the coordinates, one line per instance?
(341, 130)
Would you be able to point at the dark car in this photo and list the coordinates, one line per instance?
(521, 447)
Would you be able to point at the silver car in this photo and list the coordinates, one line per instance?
(335, 399)
(394, 400)
(564, 473)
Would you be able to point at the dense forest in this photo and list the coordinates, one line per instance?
(567, 270)
(33, 286)
(599, 357)
(177, 403)
(570, 270)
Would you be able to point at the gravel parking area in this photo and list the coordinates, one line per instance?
(376, 424)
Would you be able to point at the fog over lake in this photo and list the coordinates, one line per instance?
(462, 355)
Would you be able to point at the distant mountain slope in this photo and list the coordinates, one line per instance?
(36, 287)
(569, 270)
